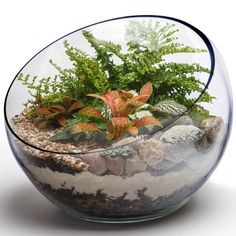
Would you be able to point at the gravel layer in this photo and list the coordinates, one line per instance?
(37, 137)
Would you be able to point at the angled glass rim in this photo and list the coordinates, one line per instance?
(196, 30)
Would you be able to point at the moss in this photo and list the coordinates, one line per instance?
(125, 151)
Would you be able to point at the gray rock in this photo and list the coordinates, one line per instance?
(151, 151)
(203, 144)
(178, 153)
(212, 127)
(97, 164)
(116, 165)
(134, 165)
(182, 134)
(165, 167)
(158, 135)
(183, 120)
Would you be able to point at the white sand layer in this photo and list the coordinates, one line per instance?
(116, 186)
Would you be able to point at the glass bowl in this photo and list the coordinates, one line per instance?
(150, 132)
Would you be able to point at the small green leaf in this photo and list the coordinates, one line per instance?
(100, 125)
(64, 135)
(77, 136)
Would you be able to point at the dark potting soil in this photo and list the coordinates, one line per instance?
(52, 165)
(100, 205)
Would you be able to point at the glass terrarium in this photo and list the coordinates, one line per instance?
(123, 120)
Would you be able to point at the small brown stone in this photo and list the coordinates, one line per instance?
(97, 164)
(151, 151)
(203, 143)
(182, 120)
(134, 165)
(212, 126)
(116, 165)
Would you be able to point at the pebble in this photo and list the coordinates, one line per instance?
(212, 127)
(203, 144)
(26, 129)
(97, 164)
(151, 151)
(134, 165)
(116, 165)
(183, 120)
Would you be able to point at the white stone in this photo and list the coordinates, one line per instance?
(181, 134)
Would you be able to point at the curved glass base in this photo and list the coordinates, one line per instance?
(124, 220)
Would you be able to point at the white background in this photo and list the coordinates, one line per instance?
(28, 26)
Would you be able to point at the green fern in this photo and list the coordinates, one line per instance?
(147, 44)
(156, 37)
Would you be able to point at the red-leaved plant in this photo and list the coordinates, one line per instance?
(59, 112)
(122, 104)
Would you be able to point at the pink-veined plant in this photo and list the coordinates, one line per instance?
(122, 104)
(59, 112)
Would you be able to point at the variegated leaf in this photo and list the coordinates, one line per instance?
(111, 132)
(101, 97)
(108, 98)
(120, 106)
(137, 101)
(141, 98)
(43, 111)
(110, 136)
(82, 127)
(53, 115)
(146, 121)
(125, 94)
(61, 120)
(146, 90)
(111, 96)
(75, 106)
(57, 108)
(68, 101)
(120, 124)
(133, 131)
(90, 111)
(140, 114)
(169, 107)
